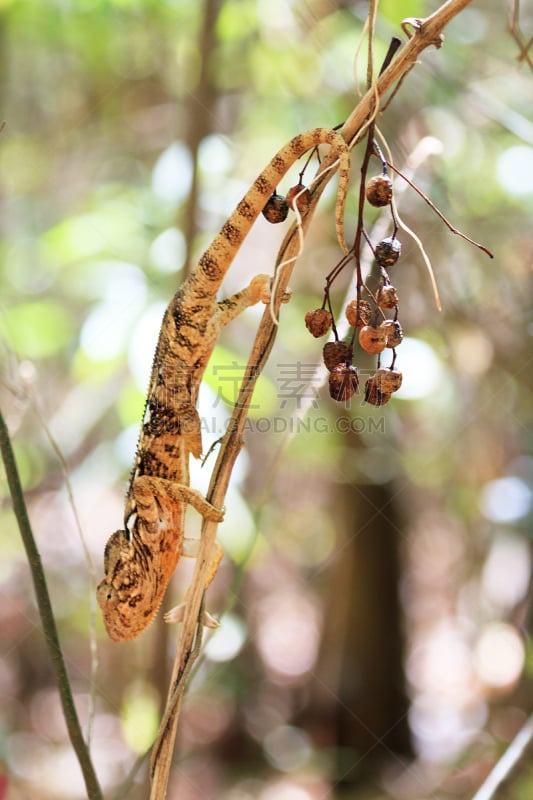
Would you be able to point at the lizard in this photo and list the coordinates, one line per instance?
(139, 560)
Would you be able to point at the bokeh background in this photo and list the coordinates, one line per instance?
(374, 596)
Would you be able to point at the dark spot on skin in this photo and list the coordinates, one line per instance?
(135, 600)
(263, 185)
(246, 210)
(209, 266)
(231, 233)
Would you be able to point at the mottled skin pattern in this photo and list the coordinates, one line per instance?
(140, 559)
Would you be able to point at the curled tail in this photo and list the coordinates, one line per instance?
(217, 259)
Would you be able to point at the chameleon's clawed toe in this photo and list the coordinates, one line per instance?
(215, 514)
(177, 614)
(261, 289)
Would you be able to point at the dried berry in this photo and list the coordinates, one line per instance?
(387, 252)
(387, 380)
(373, 393)
(388, 297)
(336, 353)
(379, 190)
(393, 331)
(343, 382)
(318, 321)
(276, 209)
(303, 199)
(373, 340)
(363, 317)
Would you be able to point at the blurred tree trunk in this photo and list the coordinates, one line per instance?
(200, 115)
(362, 683)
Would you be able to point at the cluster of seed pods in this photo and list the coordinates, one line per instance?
(372, 315)
(374, 321)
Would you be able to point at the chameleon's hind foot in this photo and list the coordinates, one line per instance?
(177, 614)
(191, 548)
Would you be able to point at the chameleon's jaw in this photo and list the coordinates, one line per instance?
(108, 601)
(120, 624)
(123, 594)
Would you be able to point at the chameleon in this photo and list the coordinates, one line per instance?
(139, 560)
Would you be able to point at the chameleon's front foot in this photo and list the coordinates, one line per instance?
(261, 288)
(147, 489)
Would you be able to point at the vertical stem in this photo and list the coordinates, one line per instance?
(47, 616)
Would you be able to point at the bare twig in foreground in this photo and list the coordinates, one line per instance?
(507, 762)
(47, 616)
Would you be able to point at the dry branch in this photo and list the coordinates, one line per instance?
(426, 32)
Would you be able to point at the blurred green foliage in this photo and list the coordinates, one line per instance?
(101, 101)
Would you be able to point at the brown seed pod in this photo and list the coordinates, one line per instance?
(318, 322)
(379, 190)
(387, 380)
(276, 208)
(373, 340)
(393, 331)
(301, 202)
(388, 297)
(343, 382)
(387, 252)
(374, 395)
(361, 318)
(335, 353)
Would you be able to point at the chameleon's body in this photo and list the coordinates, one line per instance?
(140, 560)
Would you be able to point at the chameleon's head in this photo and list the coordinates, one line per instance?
(125, 594)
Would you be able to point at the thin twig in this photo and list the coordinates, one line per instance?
(177, 689)
(514, 30)
(439, 213)
(93, 646)
(47, 616)
(372, 13)
(503, 768)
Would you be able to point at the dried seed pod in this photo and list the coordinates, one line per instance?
(363, 317)
(379, 190)
(393, 331)
(373, 340)
(388, 297)
(335, 353)
(301, 202)
(387, 252)
(343, 382)
(387, 380)
(276, 208)
(373, 393)
(318, 321)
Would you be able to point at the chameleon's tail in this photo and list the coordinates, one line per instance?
(217, 259)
